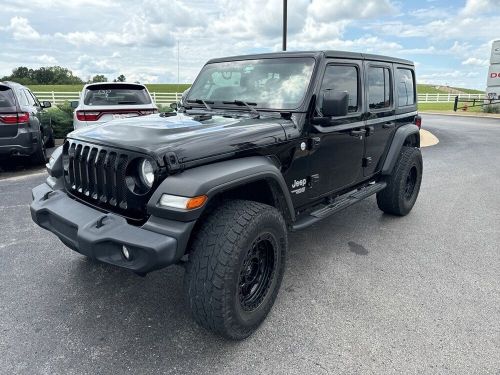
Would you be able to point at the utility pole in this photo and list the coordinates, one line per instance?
(284, 24)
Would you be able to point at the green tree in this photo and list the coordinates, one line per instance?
(99, 78)
(53, 75)
(120, 78)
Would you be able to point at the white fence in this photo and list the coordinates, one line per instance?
(57, 97)
(446, 98)
(166, 98)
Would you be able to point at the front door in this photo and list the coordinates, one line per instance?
(381, 120)
(337, 147)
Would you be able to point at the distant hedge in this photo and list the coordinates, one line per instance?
(61, 118)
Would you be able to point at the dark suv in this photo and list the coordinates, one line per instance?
(261, 145)
(24, 130)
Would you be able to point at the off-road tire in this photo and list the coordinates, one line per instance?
(215, 273)
(399, 196)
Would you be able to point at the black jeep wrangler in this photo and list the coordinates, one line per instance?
(260, 145)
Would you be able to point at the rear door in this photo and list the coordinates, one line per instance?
(406, 95)
(380, 115)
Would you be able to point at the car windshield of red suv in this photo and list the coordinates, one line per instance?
(103, 95)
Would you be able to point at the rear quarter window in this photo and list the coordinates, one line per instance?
(7, 98)
(405, 86)
(116, 95)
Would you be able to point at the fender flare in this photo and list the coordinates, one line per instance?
(402, 133)
(212, 179)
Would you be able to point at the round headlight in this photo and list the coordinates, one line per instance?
(146, 173)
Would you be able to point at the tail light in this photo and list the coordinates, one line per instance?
(15, 118)
(88, 115)
(96, 115)
(418, 121)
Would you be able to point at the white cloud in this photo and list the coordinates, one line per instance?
(139, 39)
(257, 19)
(430, 13)
(367, 44)
(22, 30)
(474, 61)
(328, 11)
(46, 59)
(90, 65)
(474, 7)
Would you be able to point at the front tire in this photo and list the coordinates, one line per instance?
(403, 184)
(235, 268)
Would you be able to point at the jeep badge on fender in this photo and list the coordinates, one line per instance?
(260, 145)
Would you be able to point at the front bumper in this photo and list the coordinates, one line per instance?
(102, 235)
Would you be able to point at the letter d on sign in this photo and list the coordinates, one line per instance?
(494, 75)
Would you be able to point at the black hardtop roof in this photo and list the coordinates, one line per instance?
(329, 54)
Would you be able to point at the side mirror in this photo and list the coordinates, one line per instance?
(74, 104)
(335, 103)
(46, 104)
(173, 106)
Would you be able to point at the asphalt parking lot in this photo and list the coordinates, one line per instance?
(363, 292)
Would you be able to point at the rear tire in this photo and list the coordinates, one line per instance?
(40, 155)
(235, 268)
(403, 184)
(50, 141)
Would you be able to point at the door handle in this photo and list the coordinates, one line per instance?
(357, 133)
(389, 125)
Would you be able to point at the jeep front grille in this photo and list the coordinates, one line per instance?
(97, 175)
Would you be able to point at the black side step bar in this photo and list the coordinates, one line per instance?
(338, 204)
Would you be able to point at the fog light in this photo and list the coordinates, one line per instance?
(125, 252)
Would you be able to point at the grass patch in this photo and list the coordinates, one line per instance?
(432, 89)
(444, 107)
(429, 89)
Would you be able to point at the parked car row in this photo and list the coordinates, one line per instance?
(26, 130)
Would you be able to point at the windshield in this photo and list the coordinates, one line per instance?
(116, 95)
(266, 83)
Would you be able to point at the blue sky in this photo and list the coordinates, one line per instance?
(449, 41)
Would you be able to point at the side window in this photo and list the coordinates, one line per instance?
(379, 88)
(406, 87)
(21, 96)
(32, 97)
(31, 101)
(342, 78)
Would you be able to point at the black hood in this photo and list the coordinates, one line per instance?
(189, 137)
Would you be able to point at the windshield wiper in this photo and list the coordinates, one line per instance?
(201, 101)
(246, 104)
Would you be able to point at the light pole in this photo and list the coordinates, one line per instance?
(284, 24)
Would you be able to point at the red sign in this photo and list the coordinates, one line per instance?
(495, 75)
